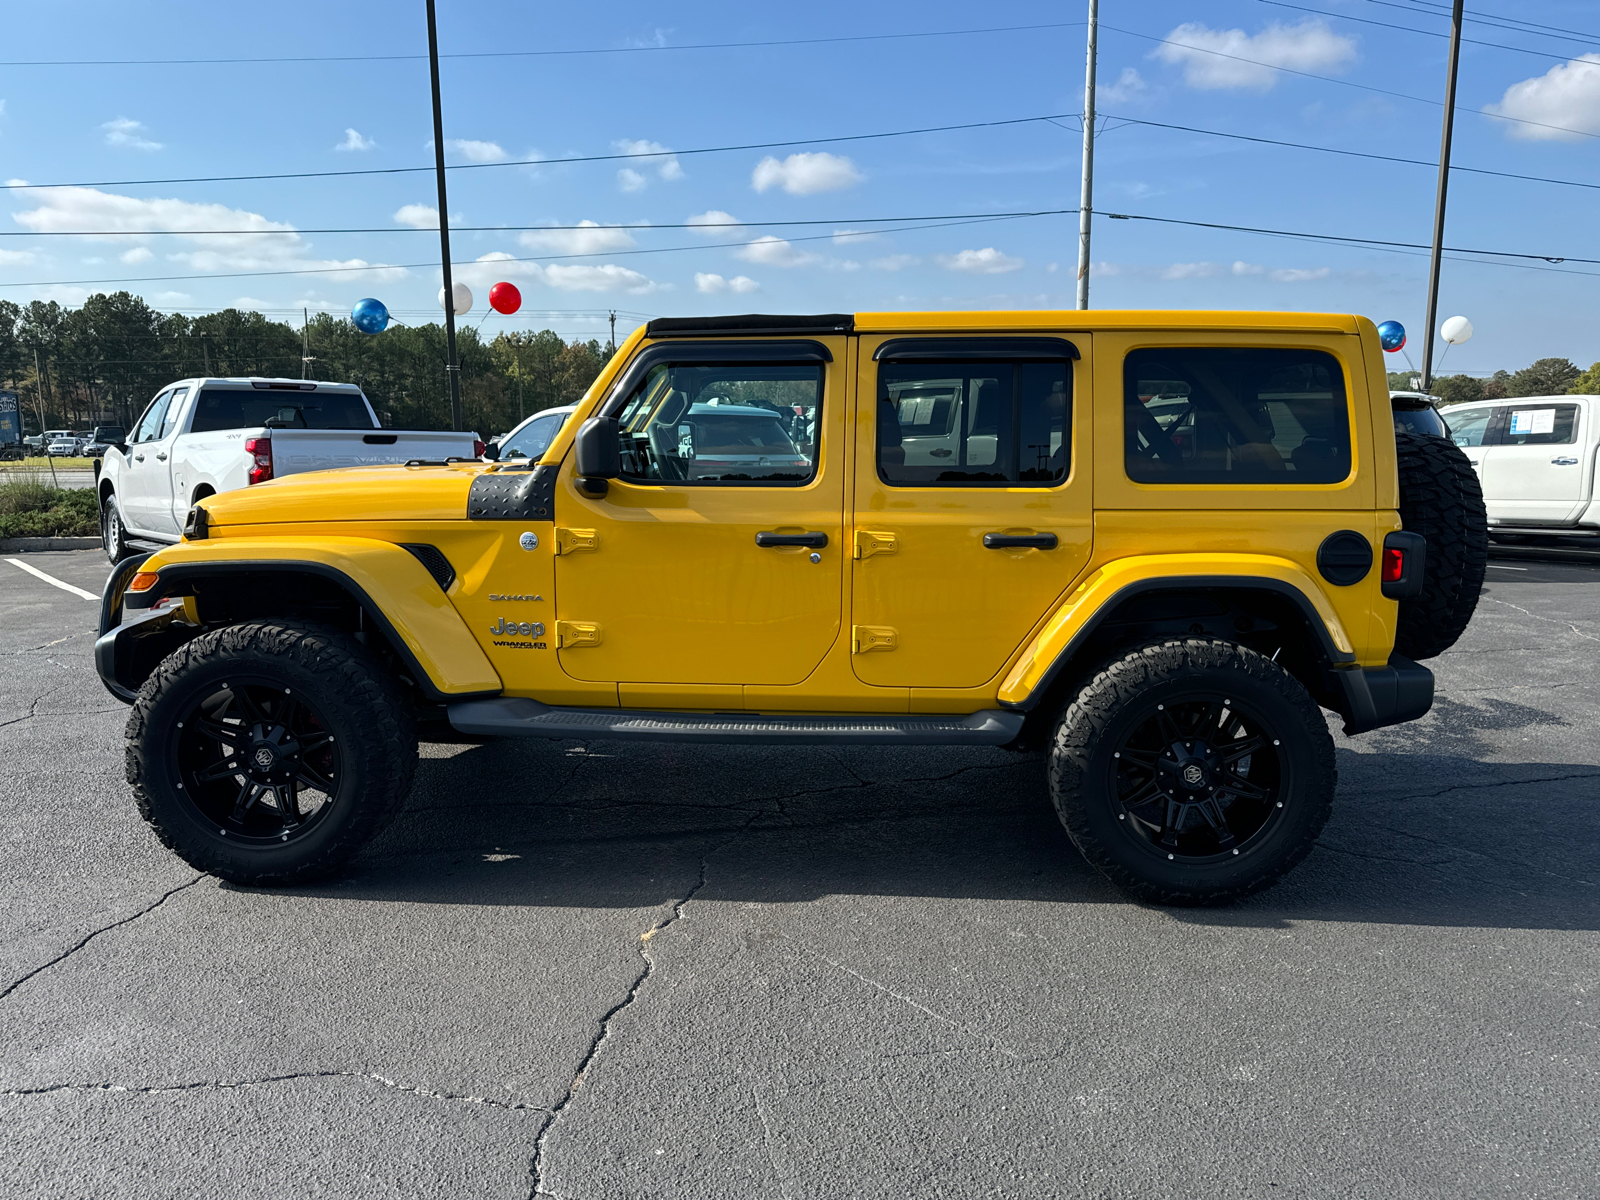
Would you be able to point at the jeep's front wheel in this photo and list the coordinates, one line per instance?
(1192, 771)
(269, 753)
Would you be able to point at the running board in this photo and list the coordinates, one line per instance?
(528, 718)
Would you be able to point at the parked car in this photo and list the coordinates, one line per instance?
(532, 437)
(1537, 457)
(199, 437)
(1418, 412)
(50, 437)
(1160, 602)
(103, 438)
(67, 446)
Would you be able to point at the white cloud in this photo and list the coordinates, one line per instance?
(139, 254)
(710, 284)
(715, 223)
(987, 261)
(772, 251)
(804, 174)
(276, 247)
(1211, 58)
(128, 134)
(473, 152)
(1298, 274)
(1244, 268)
(659, 159)
(854, 237)
(418, 216)
(587, 238)
(1192, 270)
(895, 262)
(604, 277)
(17, 258)
(1568, 95)
(1130, 85)
(170, 299)
(354, 141)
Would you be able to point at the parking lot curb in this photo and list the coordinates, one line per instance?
(21, 544)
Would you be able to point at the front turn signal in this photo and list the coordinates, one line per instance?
(144, 581)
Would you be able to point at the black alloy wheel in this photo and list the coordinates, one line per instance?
(1192, 771)
(256, 762)
(1199, 779)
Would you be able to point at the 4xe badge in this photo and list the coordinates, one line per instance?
(529, 540)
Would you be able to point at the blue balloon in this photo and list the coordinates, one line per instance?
(1391, 335)
(370, 316)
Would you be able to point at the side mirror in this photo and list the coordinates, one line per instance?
(598, 456)
(491, 452)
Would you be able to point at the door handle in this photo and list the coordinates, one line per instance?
(1011, 541)
(1564, 461)
(138, 458)
(815, 540)
(162, 457)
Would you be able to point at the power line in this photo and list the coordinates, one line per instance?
(542, 162)
(347, 58)
(1363, 87)
(1434, 33)
(1495, 21)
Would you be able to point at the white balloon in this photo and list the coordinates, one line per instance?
(1456, 330)
(463, 298)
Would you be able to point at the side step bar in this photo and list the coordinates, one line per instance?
(508, 716)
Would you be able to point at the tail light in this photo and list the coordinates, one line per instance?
(1400, 574)
(478, 448)
(260, 451)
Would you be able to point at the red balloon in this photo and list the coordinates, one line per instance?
(504, 298)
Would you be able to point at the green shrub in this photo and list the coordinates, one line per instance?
(31, 508)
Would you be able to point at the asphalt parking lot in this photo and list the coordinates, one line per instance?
(616, 970)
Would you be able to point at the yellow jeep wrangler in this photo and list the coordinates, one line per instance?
(1150, 544)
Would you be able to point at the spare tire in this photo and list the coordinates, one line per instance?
(1441, 498)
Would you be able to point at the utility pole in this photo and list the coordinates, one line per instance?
(205, 348)
(452, 369)
(613, 333)
(1438, 206)
(38, 392)
(305, 341)
(1086, 196)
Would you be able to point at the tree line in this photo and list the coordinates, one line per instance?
(102, 362)
(1543, 377)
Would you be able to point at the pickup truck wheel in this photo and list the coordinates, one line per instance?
(113, 534)
(269, 753)
(1192, 771)
(1441, 498)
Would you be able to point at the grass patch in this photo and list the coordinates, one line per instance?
(37, 463)
(30, 507)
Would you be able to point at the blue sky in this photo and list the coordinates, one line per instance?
(69, 124)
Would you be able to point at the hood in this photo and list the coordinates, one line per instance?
(386, 493)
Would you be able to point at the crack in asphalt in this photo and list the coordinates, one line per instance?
(161, 1089)
(1470, 787)
(1551, 620)
(33, 707)
(66, 954)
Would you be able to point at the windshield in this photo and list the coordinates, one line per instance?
(109, 433)
(534, 438)
(235, 408)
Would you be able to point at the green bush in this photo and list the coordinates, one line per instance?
(32, 508)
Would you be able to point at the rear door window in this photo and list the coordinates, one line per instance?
(1538, 425)
(1235, 415)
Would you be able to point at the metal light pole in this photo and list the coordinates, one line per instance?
(1438, 206)
(452, 369)
(1086, 197)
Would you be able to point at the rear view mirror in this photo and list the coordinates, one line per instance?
(596, 446)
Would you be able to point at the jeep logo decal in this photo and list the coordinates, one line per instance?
(504, 628)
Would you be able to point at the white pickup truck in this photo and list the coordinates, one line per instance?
(1536, 457)
(202, 436)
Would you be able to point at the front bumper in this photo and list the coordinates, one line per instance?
(1379, 696)
(132, 643)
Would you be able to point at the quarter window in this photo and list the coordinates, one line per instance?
(1225, 415)
(742, 424)
(974, 424)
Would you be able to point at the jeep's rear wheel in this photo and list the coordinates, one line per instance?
(1192, 771)
(269, 753)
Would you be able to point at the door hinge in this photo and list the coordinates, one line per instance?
(569, 541)
(866, 638)
(869, 543)
(572, 634)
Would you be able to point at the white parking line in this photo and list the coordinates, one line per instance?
(51, 579)
(1493, 566)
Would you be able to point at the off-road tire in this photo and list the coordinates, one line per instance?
(113, 533)
(1441, 498)
(373, 725)
(1123, 692)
